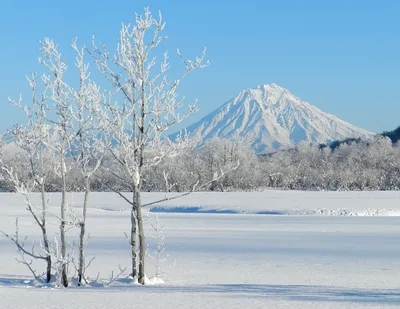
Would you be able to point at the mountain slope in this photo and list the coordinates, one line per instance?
(270, 117)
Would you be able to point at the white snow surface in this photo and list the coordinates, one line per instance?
(309, 254)
(270, 117)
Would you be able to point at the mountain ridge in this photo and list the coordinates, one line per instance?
(271, 117)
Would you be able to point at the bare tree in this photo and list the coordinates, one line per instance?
(76, 124)
(33, 139)
(58, 94)
(158, 253)
(150, 107)
(86, 143)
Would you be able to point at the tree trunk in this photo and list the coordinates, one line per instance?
(142, 246)
(47, 250)
(133, 237)
(44, 233)
(81, 269)
(64, 277)
(140, 160)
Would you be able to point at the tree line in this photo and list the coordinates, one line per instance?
(372, 164)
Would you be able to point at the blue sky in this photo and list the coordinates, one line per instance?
(341, 56)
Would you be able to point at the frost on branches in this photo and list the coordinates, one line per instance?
(73, 127)
(62, 124)
(150, 107)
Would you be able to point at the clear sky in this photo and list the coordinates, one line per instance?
(342, 56)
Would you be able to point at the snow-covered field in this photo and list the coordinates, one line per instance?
(272, 249)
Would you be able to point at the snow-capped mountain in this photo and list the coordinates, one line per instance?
(270, 117)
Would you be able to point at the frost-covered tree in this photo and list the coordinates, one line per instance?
(150, 107)
(63, 126)
(76, 121)
(32, 140)
(57, 93)
(86, 140)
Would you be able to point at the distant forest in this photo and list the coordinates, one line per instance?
(350, 164)
(393, 135)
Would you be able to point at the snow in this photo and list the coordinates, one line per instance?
(325, 260)
(276, 202)
(154, 281)
(270, 115)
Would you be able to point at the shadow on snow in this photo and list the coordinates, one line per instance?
(310, 293)
(296, 292)
(197, 209)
